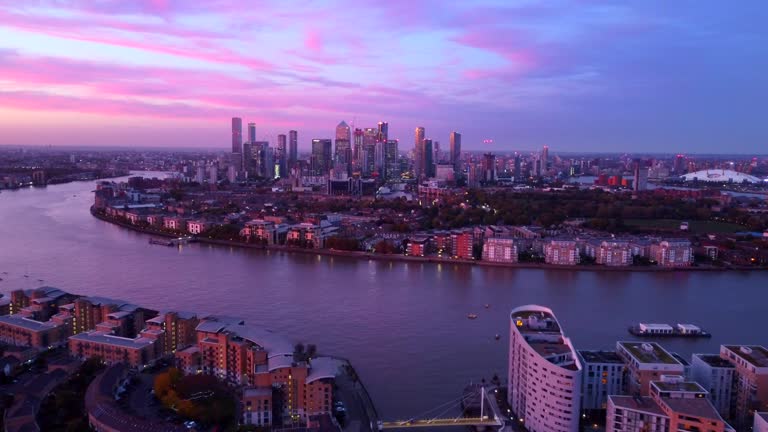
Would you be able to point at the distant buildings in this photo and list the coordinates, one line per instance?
(672, 253)
(561, 252)
(614, 253)
(500, 250)
(544, 382)
(293, 148)
(455, 159)
(321, 156)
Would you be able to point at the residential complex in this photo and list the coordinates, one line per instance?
(544, 380)
(646, 362)
(750, 384)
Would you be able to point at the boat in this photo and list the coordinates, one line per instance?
(666, 330)
(472, 316)
(160, 242)
(498, 336)
(487, 305)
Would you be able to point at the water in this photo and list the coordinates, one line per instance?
(403, 325)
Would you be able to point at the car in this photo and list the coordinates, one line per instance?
(338, 403)
(340, 409)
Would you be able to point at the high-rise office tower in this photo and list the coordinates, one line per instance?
(679, 167)
(544, 381)
(293, 148)
(260, 159)
(237, 135)
(427, 159)
(383, 134)
(369, 150)
(518, 167)
(343, 152)
(436, 148)
(251, 132)
(391, 163)
(357, 151)
(321, 156)
(544, 160)
(489, 168)
(640, 172)
(281, 165)
(418, 146)
(456, 151)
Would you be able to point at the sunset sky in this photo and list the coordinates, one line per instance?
(666, 76)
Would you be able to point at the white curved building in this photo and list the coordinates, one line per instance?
(720, 176)
(544, 386)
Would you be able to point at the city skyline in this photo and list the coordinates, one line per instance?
(574, 76)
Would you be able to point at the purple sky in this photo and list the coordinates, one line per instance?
(667, 76)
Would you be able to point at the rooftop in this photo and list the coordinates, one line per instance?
(601, 357)
(26, 323)
(108, 339)
(755, 355)
(644, 404)
(714, 360)
(680, 359)
(679, 386)
(648, 352)
(323, 367)
(698, 407)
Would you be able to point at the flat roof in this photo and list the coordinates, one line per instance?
(680, 386)
(323, 367)
(715, 360)
(698, 407)
(257, 391)
(644, 404)
(648, 352)
(601, 357)
(26, 323)
(108, 339)
(680, 358)
(755, 355)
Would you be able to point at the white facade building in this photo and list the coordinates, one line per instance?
(716, 376)
(544, 381)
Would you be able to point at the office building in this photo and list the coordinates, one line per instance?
(640, 171)
(419, 154)
(603, 376)
(425, 160)
(646, 362)
(251, 132)
(455, 156)
(383, 132)
(293, 148)
(544, 381)
(716, 375)
(750, 383)
(489, 168)
(544, 161)
(391, 160)
(281, 157)
(673, 405)
(237, 135)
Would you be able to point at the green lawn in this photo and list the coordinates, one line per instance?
(693, 226)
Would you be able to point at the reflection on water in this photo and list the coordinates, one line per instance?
(404, 325)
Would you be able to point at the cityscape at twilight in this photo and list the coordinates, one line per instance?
(336, 216)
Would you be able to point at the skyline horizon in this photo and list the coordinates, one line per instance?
(567, 74)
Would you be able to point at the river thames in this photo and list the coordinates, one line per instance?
(403, 325)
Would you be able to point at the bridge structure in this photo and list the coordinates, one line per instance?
(440, 416)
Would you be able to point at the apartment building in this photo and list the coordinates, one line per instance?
(750, 384)
(646, 362)
(672, 253)
(603, 375)
(501, 250)
(614, 253)
(561, 252)
(138, 353)
(715, 374)
(544, 381)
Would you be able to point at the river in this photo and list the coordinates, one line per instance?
(403, 325)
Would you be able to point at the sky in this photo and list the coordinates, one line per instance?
(653, 75)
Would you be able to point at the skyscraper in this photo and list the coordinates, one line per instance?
(321, 156)
(251, 132)
(456, 151)
(489, 168)
(343, 152)
(640, 171)
(418, 152)
(357, 151)
(391, 163)
(679, 167)
(518, 167)
(369, 151)
(544, 160)
(293, 148)
(281, 166)
(383, 134)
(427, 159)
(237, 135)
